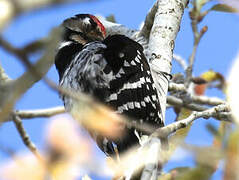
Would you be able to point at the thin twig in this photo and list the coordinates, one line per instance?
(34, 46)
(212, 101)
(179, 103)
(13, 50)
(189, 69)
(197, 37)
(194, 107)
(25, 137)
(171, 128)
(176, 87)
(180, 61)
(149, 21)
(29, 114)
(22, 55)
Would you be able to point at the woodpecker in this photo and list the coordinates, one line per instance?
(112, 69)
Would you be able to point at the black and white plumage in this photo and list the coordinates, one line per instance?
(115, 72)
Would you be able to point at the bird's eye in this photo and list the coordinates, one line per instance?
(121, 55)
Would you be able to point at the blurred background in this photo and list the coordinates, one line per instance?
(216, 51)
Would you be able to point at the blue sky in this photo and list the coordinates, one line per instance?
(216, 51)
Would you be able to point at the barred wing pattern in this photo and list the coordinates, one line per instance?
(133, 92)
(116, 72)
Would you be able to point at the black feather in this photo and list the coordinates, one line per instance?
(116, 72)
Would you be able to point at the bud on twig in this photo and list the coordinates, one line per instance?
(203, 30)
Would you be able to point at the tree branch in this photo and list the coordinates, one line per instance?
(179, 103)
(181, 61)
(25, 137)
(161, 43)
(34, 46)
(171, 128)
(19, 86)
(29, 114)
(149, 21)
(197, 37)
(16, 7)
(3, 76)
(213, 101)
(13, 50)
(160, 52)
(176, 87)
(196, 99)
(194, 107)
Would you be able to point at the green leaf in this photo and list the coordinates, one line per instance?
(223, 8)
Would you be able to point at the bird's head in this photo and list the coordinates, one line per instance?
(83, 28)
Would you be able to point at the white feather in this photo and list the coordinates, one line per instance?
(137, 59)
(137, 104)
(63, 44)
(113, 97)
(86, 21)
(130, 105)
(121, 71)
(132, 63)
